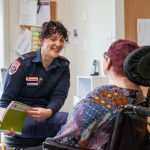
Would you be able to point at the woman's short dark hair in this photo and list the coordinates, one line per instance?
(52, 27)
(118, 51)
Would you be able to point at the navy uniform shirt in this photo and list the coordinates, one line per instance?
(28, 82)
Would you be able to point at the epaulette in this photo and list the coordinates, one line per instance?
(63, 58)
(28, 55)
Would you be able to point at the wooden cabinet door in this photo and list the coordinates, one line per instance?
(135, 9)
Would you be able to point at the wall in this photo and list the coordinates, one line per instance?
(2, 33)
(11, 29)
(119, 19)
(104, 24)
(98, 23)
(7, 32)
(14, 27)
(95, 33)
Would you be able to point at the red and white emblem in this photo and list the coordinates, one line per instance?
(14, 67)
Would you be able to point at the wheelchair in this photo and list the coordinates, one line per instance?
(130, 129)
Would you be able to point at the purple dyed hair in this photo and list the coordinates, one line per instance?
(118, 51)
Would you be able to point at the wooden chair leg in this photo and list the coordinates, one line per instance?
(3, 141)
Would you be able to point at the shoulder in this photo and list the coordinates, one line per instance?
(20, 62)
(99, 90)
(105, 87)
(63, 60)
(27, 56)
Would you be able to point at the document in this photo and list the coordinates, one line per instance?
(23, 43)
(143, 32)
(33, 13)
(28, 12)
(13, 116)
(44, 13)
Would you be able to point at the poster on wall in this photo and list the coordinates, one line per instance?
(23, 42)
(34, 12)
(143, 32)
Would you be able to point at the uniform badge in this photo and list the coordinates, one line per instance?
(33, 81)
(14, 67)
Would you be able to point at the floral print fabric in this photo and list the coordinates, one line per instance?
(90, 123)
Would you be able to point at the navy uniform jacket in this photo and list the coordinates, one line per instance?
(28, 82)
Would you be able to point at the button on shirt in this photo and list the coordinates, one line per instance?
(28, 82)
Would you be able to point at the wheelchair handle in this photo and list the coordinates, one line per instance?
(138, 109)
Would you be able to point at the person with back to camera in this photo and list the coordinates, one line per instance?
(41, 79)
(98, 110)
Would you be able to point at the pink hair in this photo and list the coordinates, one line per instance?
(118, 51)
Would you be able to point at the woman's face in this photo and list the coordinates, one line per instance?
(53, 45)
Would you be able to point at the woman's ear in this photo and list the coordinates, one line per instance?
(40, 42)
(108, 63)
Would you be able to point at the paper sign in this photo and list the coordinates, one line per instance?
(34, 14)
(143, 32)
(23, 44)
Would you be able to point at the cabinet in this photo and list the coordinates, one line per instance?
(85, 84)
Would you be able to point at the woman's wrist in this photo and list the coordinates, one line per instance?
(49, 112)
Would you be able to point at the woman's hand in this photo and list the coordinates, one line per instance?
(39, 113)
(11, 132)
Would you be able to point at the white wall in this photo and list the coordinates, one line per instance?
(11, 29)
(1, 41)
(98, 22)
(119, 20)
(2, 33)
(14, 28)
(104, 24)
(98, 30)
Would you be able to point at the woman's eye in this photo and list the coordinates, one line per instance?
(62, 40)
(53, 38)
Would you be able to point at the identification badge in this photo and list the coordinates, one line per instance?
(33, 81)
(32, 84)
(30, 79)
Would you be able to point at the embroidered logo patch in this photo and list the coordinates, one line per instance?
(14, 67)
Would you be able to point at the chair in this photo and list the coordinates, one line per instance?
(130, 129)
(18, 142)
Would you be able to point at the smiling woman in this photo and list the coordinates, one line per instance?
(41, 79)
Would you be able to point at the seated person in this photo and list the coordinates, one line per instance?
(41, 79)
(97, 112)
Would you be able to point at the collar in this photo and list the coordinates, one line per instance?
(38, 57)
(55, 63)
